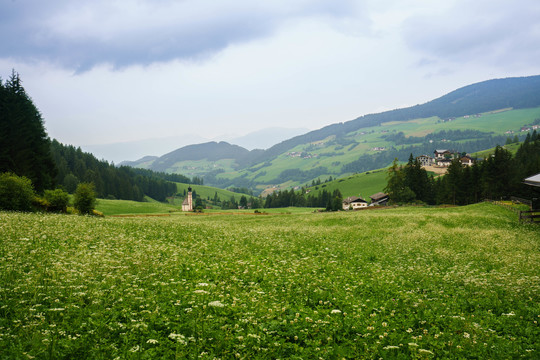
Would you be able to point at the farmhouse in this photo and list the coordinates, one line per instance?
(425, 160)
(354, 202)
(441, 154)
(466, 160)
(444, 162)
(379, 199)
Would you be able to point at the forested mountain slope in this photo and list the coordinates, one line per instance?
(469, 119)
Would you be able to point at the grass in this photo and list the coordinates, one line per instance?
(363, 185)
(512, 148)
(127, 207)
(403, 283)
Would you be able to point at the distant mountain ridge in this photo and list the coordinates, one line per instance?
(515, 93)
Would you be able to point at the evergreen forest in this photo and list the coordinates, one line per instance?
(500, 176)
(26, 150)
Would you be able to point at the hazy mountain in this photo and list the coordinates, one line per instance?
(265, 138)
(133, 150)
(370, 141)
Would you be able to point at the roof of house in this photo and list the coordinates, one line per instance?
(441, 151)
(352, 199)
(378, 196)
(185, 202)
(533, 180)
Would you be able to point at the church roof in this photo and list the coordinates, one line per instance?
(185, 202)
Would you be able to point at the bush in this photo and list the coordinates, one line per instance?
(16, 192)
(85, 198)
(58, 200)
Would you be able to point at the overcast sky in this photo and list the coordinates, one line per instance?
(109, 71)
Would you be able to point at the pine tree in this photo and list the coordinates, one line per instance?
(24, 144)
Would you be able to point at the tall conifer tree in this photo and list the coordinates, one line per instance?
(24, 144)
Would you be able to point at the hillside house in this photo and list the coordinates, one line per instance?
(444, 162)
(425, 160)
(442, 154)
(354, 203)
(379, 199)
(466, 160)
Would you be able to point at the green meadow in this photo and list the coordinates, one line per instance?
(399, 283)
(127, 207)
(363, 185)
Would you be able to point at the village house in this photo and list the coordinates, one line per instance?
(466, 160)
(379, 198)
(425, 160)
(444, 162)
(354, 203)
(442, 154)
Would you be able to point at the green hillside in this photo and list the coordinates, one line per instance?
(334, 156)
(470, 119)
(363, 185)
(128, 207)
(208, 191)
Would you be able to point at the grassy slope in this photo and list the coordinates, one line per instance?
(513, 148)
(124, 207)
(368, 138)
(363, 185)
(397, 283)
(209, 191)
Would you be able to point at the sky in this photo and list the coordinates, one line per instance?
(110, 72)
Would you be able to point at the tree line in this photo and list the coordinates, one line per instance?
(331, 201)
(126, 183)
(27, 151)
(500, 176)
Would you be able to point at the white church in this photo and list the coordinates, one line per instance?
(187, 204)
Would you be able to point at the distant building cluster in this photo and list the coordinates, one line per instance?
(443, 158)
(303, 155)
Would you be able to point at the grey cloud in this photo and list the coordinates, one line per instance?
(495, 32)
(88, 33)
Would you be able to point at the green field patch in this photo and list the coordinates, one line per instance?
(126, 207)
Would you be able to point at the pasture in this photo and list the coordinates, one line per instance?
(395, 284)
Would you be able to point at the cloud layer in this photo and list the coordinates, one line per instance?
(109, 71)
(85, 33)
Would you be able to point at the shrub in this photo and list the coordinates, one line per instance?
(85, 198)
(40, 204)
(16, 192)
(58, 200)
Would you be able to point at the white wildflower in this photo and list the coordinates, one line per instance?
(216, 303)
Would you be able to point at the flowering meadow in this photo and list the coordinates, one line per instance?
(401, 283)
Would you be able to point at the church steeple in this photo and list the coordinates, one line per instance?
(187, 204)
